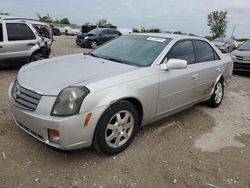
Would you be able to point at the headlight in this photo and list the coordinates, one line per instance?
(69, 101)
(233, 56)
(86, 37)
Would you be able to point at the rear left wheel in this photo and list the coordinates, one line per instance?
(117, 128)
(217, 95)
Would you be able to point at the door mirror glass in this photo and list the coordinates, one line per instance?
(174, 64)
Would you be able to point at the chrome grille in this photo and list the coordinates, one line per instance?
(24, 98)
(242, 58)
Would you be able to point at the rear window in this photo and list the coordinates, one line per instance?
(1, 33)
(205, 52)
(19, 31)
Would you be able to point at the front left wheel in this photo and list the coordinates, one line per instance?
(36, 56)
(117, 128)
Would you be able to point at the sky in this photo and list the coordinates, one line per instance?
(188, 16)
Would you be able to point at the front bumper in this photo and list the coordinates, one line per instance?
(241, 66)
(83, 42)
(73, 134)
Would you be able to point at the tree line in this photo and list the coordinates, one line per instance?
(217, 22)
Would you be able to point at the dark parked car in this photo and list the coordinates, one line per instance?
(55, 31)
(225, 45)
(241, 58)
(96, 37)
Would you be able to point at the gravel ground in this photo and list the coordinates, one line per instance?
(200, 147)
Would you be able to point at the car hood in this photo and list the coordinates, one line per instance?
(49, 77)
(241, 53)
(219, 43)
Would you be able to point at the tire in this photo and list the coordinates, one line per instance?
(36, 56)
(116, 128)
(217, 95)
(93, 44)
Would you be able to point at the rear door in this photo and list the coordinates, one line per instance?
(20, 39)
(2, 47)
(210, 66)
(177, 85)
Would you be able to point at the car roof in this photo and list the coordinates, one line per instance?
(170, 36)
(21, 19)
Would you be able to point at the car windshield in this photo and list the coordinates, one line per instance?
(94, 31)
(245, 46)
(133, 50)
(221, 40)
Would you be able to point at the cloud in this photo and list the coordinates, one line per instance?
(185, 15)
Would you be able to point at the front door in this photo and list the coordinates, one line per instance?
(177, 85)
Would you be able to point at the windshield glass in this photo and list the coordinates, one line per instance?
(95, 31)
(133, 50)
(245, 46)
(221, 40)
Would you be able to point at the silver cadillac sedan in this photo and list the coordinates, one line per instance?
(102, 98)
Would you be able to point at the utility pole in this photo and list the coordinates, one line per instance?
(233, 32)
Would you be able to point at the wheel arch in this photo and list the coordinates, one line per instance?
(220, 77)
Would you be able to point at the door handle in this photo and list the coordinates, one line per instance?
(195, 76)
(31, 44)
(218, 70)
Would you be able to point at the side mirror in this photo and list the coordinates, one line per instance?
(174, 64)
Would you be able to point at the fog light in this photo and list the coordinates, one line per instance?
(54, 136)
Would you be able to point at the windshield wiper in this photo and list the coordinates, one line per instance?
(91, 54)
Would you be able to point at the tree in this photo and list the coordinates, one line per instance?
(65, 21)
(4, 13)
(144, 30)
(217, 21)
(103, 22)
(45, 18)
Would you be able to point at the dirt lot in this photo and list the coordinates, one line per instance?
(200, 147)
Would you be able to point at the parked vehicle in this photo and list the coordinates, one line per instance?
(225, 45)
(55, 31)
(103, 97)
(241, 58)
(23, 40)
(87, 28)
(96, 37)
(69, 31)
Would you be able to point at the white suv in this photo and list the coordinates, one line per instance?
(23, 40)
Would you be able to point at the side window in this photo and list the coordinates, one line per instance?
(205, 52)
(1, 32)
(183, 50)
(19, 31)
(111, 32)
(105, 32)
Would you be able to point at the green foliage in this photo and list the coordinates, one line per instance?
(4, 13)
(103, 22)
(210, 38)
(45, 18)
(217, 21)
(143, 30)
(48, 19)
(65, 21)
